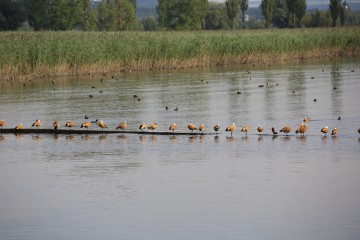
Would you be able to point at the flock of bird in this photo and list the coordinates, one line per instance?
(143, 126)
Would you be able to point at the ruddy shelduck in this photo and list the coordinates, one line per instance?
(102, 124)
(274, 131)
(324, 130)
(260, 129)
(37, 123)
(217, 128)
(231, 128)
(153, 126)
(56, 125)
(85, 125)
(286, 130)
(70, 124)
(173, 127)
(306, 119)
(334, 132)
(302, 129)
(192, 127)
(202, 128)
(142, 126)
(245, 129)
(19, 127)
(122, 126)
(2, 123)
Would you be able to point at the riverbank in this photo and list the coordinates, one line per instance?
(26, 55)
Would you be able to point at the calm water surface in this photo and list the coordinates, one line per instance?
(130, 186)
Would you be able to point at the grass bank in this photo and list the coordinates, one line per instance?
(43, 54)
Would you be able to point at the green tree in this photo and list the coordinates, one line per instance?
(299, 11)
(267, 7)
(115, 15)
(291, 12)
(125, 14)
(232, 9)
(162, 10)
(344, 13)
(216, 17)
(335, 9)
(150, 23)
(281, 14)
(182, 14)
(64, 14)
(38, 13)
(201, 9)
(86, 14)
(243, 7)
(11, 15)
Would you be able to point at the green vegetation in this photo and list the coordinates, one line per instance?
(39, 54)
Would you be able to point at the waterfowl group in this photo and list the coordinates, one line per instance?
(302, 129)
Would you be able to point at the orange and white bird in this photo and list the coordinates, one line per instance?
(286, 130)
(19, 127)
(173, 127)
(142, 126)
(153, 126)
(85, 125)
(192, 127)
(217, 128)
(231, 128)
(306, 119)
(334, 132)
(260, 129)
(202, 128)
(302, 129)
(102, 124)
(37, 123)
(274, 131)
(324, 130)
(56, 125)
(70, 124)
(245, 129)
(2, 123)
(122, 126)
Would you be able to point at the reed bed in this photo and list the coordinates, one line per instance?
(42, 54)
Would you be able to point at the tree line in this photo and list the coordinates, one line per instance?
(120, 15)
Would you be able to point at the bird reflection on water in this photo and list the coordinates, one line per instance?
(86, 137)
(102, 137)
(122, 137)
(231, 139)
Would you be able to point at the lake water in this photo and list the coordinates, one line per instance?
(131, 186)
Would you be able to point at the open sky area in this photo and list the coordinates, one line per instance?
(256, 3)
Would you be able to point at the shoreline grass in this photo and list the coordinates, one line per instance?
(44, 54)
